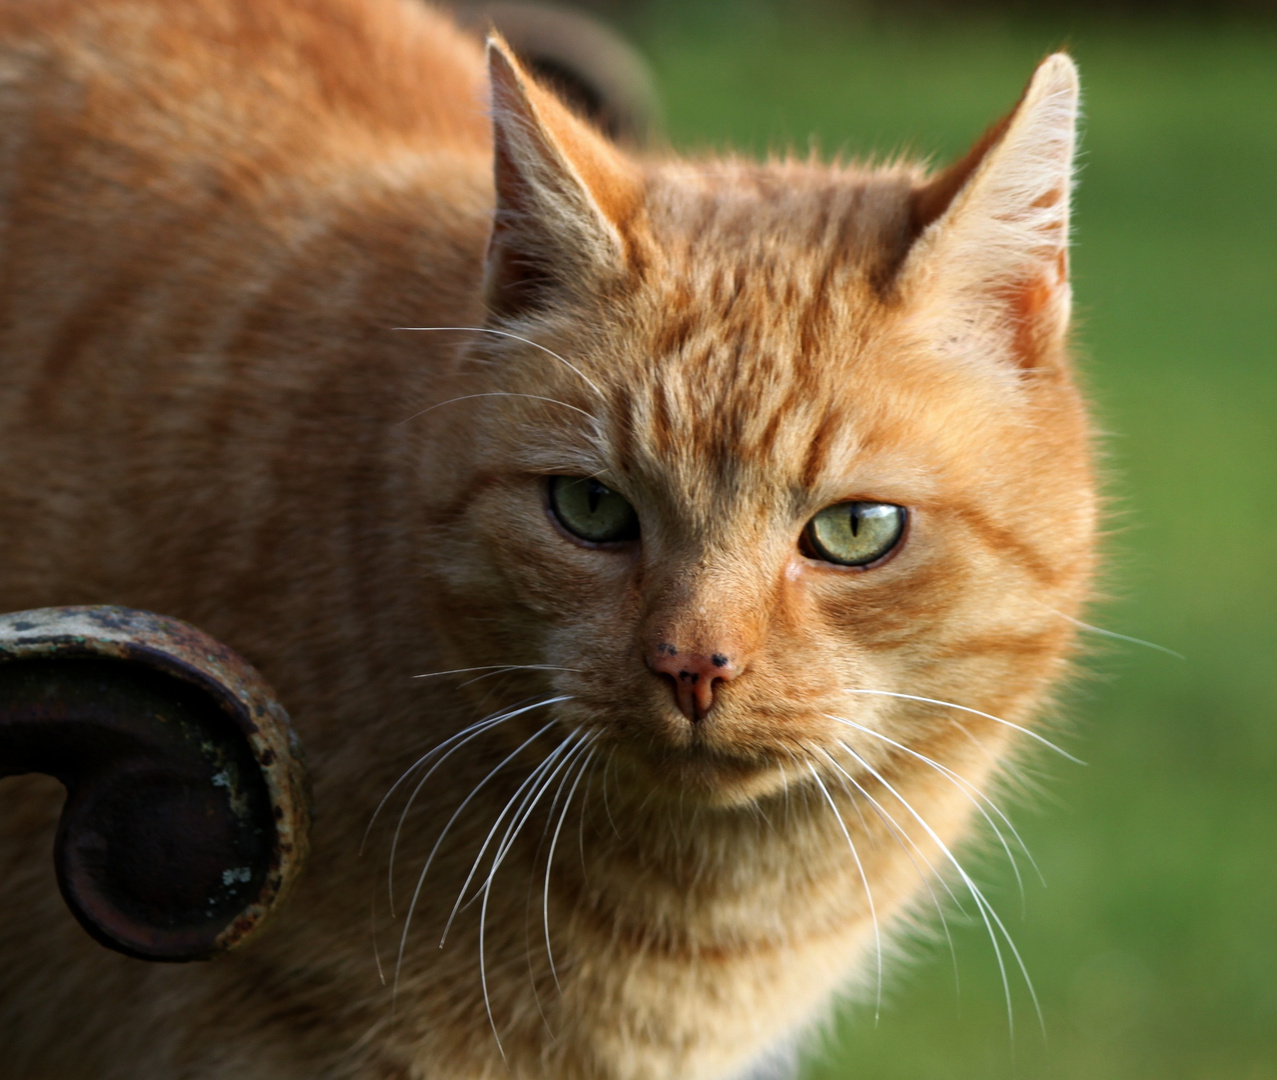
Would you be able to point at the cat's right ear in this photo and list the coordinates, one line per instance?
(564, 198)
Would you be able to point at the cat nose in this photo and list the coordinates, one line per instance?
(695, 676)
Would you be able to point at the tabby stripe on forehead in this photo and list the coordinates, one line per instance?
(813, 318)
(662, 423)
(768, 438)
(818, 451)
(675, 331)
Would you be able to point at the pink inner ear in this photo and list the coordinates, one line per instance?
(1048, 199)
(1039, 324)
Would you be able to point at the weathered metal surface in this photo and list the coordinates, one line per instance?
(188, 812)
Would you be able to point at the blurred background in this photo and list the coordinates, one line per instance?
(1153, 943)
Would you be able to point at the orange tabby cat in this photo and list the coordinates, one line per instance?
(737, 546)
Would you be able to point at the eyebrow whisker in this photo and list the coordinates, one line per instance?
(514, 337)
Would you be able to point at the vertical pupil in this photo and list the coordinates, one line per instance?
(594, 491)
(854, 511)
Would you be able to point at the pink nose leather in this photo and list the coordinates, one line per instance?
(695, 676)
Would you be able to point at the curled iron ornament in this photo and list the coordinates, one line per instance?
(187, 814)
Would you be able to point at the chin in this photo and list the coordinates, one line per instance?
(697, 775)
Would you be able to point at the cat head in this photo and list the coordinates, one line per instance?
(762, 445)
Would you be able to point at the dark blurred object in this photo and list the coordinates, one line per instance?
(187, 814)
(591, 67)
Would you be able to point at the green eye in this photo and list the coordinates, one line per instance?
(854, 533)
(591, 511)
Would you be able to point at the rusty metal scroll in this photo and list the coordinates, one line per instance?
(187, 813)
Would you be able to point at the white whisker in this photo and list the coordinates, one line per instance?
(507, 670)
(534, 788)
(549, 861)
(498, 393)
(514, 337)
(487, 892)
(973, 712)
(863, 879)
(608, 809)
(527, 921)
(585, 803)
(531, 885)
(376, 949)
(474, 730)
(903, 838)
(483, 971)
(985, 908)
(495, 667)
(1114, 634)
(421, 879)
(969, 790)
(530, 800)
(478, 727)
(891, 823)
(468, 729)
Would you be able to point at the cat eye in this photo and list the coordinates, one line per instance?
(592, 511)
(854, 533)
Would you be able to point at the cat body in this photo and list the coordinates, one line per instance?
(216, 217)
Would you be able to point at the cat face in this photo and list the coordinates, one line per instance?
(771, 446)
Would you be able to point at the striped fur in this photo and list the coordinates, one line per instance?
(215, 214)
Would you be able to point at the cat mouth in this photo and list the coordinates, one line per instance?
(718, 775)
(726, 757)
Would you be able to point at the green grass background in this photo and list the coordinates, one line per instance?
(1153, 945)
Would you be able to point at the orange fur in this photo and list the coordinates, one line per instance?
(216, 214)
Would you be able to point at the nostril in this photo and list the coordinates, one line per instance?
(695, 676)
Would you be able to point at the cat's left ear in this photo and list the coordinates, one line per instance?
(564, 197)
(993, 229)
